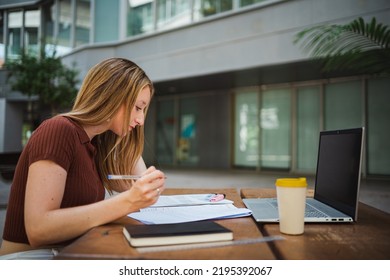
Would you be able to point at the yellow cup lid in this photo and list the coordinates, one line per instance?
(291, 182)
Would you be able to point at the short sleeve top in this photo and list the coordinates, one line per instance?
(66, 143)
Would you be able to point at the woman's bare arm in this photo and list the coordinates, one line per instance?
(140, 167)
(46, 223)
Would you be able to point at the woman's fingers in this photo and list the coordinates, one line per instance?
(155, 178)
(149, 170)
(148, 188)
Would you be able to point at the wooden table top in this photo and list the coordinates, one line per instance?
(366, 239)
(108, 242)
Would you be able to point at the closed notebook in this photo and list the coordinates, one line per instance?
(181, 233)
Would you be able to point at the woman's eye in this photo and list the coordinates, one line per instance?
(138, 108)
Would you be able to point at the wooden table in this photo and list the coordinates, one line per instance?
(108, 242)
(366, 239)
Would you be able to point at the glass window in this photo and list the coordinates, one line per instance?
(172, 13)
(64, 26)
(343, 105)
(246, 129)
(275, 122)
(205, 8)
(140, 17)
(378, 134)
(83, 22)
(187, 148)
(308, 128)
(32, 23)
(49, 16)
(14, 47)
(211, 7)
(165, 132)
(2, 49)
(108, 29)
(244, 3)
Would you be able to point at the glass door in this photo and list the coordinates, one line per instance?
(246, 133)
(275, 132)
(308, 128)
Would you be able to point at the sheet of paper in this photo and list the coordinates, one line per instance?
(181, 214)
(187, 200)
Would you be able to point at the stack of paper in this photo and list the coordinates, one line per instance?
(188, 208)
(188, 200)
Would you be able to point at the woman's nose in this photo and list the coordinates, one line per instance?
(139, 121)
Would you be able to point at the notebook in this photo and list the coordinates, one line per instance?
(337, 181)
(182, 233)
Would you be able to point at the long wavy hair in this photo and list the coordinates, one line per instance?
(107, 86)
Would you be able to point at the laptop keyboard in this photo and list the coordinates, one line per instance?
(274, 203)
(312, 212)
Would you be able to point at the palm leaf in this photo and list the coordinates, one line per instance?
(357, 45)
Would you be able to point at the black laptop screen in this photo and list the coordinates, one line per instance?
(338, 169)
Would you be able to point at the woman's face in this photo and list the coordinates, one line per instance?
(137, 115)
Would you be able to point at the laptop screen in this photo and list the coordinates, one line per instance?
(338, 169)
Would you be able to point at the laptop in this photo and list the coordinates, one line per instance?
(337, 182)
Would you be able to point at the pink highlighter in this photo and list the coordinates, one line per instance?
(217, 197)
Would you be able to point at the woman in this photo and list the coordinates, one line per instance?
(59, 184)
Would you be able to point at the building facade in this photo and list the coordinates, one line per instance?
(232, 88)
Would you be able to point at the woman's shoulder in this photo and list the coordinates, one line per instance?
(59, 122)
(57, 125)
(56, 140)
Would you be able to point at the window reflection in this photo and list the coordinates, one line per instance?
(29, 41)
(243, 127)
(48, 23)
(31, 31)
(212, 7)
(269, 118)
(244, 3)
(247, 129)
(64, 25)
(15, 22)
(145, 16)
(165, 132)
(173, 13)
(205, 8)
(83, 22)
(140, 17)
(276, 129)
(2, 58)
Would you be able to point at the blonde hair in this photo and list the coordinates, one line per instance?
(106, 87)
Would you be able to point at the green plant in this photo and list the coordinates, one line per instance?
(357, 45)
(45, 77)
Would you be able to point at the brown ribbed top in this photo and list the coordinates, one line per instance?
(66, 143)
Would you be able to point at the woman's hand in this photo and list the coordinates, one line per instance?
(146, 190)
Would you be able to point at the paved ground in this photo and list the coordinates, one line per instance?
(373, 192)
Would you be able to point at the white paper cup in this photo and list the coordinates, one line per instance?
(291, 196)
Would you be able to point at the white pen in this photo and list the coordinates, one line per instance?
(124, 177)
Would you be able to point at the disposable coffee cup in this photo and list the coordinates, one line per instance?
(291, 197)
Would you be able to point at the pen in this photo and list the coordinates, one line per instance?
(217, 197)
(125, 177)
